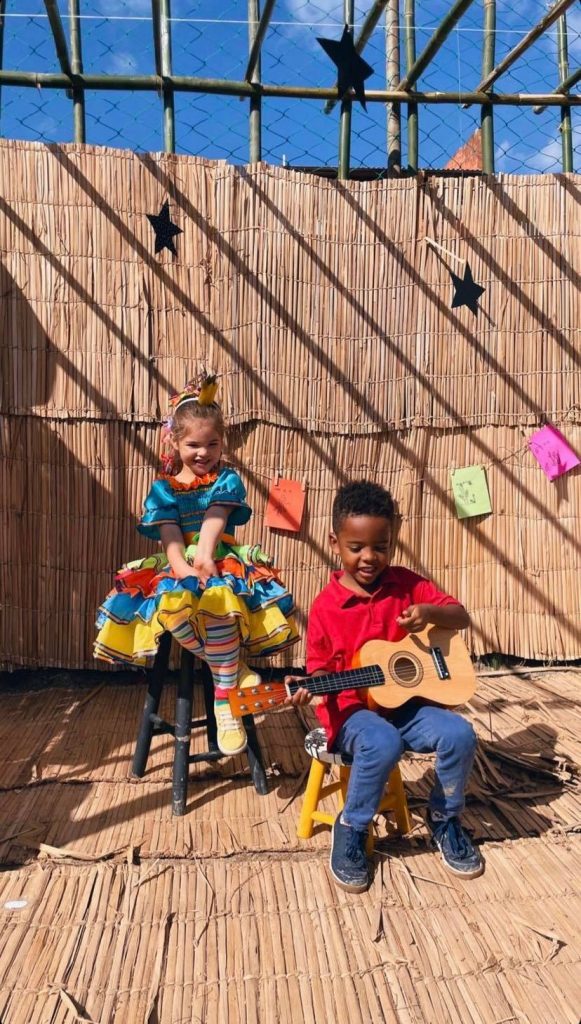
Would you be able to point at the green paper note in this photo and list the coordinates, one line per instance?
(470, 490)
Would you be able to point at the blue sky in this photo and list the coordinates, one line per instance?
(209, 38)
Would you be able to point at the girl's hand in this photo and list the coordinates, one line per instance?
(415, 618)
(301, 696)
(182, 569)
(204, 567)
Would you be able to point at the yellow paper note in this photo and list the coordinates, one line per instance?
(470, 489)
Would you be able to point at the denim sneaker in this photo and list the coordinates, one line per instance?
(458, 853)
(349, 866)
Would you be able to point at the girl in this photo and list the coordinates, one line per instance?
(211, 594)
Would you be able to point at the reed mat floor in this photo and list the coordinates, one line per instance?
(114, 912)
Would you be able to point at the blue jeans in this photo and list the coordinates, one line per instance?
(377, 744)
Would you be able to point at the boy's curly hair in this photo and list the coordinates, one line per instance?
(361, 498)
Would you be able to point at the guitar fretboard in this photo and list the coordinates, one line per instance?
(354, 678)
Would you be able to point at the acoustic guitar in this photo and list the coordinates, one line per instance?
(434, 665)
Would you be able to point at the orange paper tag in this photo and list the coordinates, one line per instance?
(285, 506)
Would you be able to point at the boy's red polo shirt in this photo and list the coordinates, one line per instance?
(341, 621)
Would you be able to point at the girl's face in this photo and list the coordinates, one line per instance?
(199, 447)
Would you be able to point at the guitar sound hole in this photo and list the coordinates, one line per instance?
(405, 670)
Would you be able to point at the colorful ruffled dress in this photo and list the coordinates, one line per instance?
(148, 599)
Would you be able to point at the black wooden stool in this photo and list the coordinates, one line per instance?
(152, 725)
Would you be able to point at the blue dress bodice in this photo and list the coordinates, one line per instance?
(186, 505)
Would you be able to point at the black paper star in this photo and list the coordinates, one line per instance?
(353, 70)
(466, 292)
(164, 229)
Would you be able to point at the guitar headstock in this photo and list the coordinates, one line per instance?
(249, 700)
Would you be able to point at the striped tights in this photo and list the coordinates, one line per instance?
(222, 652)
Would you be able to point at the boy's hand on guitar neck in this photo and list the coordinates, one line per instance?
(415, 618)
(301, 696)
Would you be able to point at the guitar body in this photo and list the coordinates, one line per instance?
(413, 668)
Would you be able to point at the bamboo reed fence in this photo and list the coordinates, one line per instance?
(328, 316)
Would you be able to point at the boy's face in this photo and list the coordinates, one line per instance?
(363, 544)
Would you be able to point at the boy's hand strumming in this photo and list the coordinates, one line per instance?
(415, 618)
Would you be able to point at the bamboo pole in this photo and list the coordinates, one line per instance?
(434, 43)
(392, 76)
(60, 40)
(563, 88)
(486, 114)
(164, 27)
(362, 39)
(254, 57)
(555, 12)
(410, 51)
(226, 87)
(346, 108)
(79, 128)
(565, 127)
(255, 115)
(156, 35)
(2, 12)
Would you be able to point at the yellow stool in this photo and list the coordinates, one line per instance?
(393, 800)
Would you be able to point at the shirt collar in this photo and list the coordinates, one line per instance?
(343, 596)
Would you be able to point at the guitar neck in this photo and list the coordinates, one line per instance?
(352, 679)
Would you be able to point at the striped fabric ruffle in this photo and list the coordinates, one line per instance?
(147, 600)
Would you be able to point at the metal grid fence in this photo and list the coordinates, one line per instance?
(146, 77)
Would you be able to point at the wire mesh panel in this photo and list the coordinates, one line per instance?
(209, 42)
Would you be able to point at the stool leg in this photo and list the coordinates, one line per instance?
(344, 773)
(155, 680)
(254, 756)
(311, 799)
(401, 811)
(211, 727)
(183, 729)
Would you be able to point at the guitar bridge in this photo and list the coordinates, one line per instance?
(439, 662)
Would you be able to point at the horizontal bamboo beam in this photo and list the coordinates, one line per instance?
(551, 16)
(257, 43)
(431, 48)
(564, 87)
(224, 87)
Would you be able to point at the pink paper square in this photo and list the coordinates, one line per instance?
(552, 452)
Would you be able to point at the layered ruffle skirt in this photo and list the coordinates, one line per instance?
(148, 599)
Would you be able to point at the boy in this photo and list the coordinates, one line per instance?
(370, 599)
